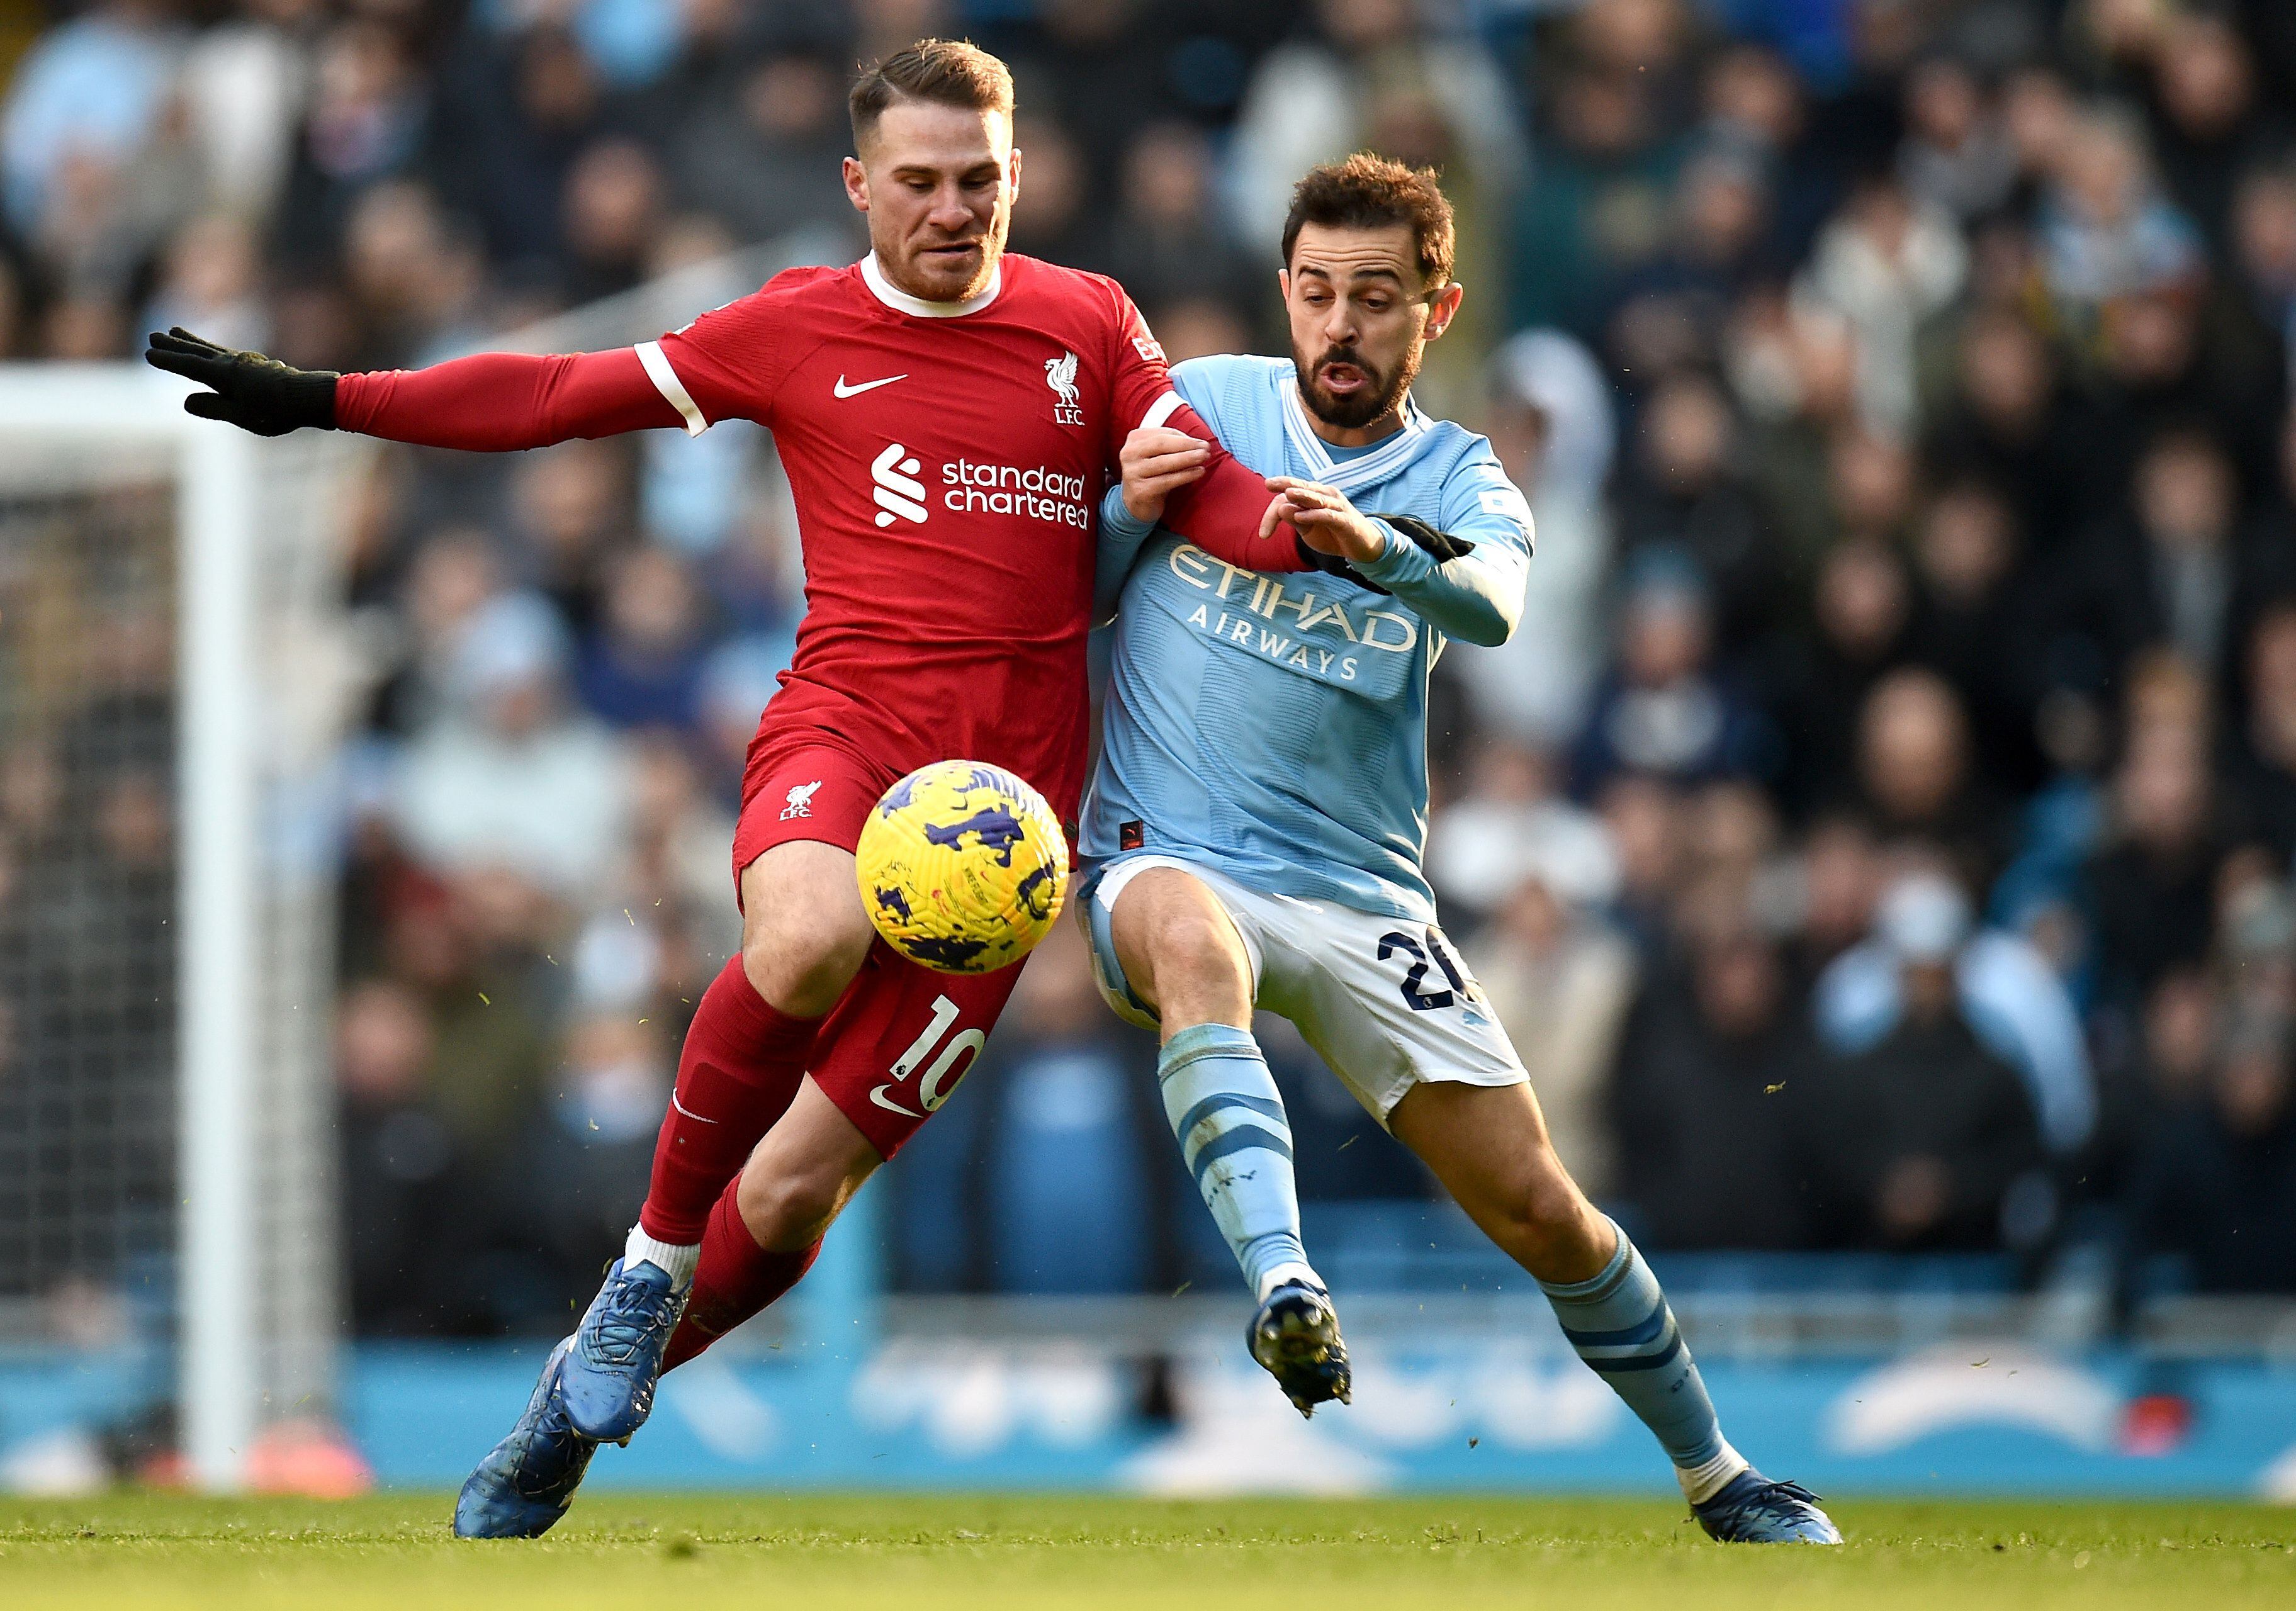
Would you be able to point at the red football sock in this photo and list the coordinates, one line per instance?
(736, 1279)
(742, 1063)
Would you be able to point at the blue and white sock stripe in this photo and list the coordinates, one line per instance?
(1219, 1125)
(1621, 1325)
(1650, 1345)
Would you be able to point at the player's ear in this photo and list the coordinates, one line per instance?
(1284, 285)
(1442, 308)
(1012, 173)
(856, 184)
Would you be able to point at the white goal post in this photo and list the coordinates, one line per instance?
(258, 709)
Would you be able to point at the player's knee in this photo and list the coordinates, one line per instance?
(801, 961)
(1195, 953)
(1543, 1204)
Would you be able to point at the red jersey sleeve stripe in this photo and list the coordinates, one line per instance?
(673, 389)
(1162, 409)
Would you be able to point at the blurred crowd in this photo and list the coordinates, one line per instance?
(1878, 835)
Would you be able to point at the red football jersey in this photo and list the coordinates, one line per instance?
(948, 462)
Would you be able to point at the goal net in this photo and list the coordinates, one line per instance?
(171, 699)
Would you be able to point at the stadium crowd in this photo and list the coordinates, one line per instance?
(1878, 835)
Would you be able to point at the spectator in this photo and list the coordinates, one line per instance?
(1712, 1060)
(2002, 994)
(1560, 981)
(2107, 232)
(508, 757)
(2216, 1188)
(1670, 312)
(1512, 823)
(2152, 888)
(397, 1164)
(1686, 497)
(1976, 622)
(1308, 95)
(1914, 779)
(643, 667)
(1552, 427)
(2167, 573)
(1666, 711)
(365, 120)
(1167, 242)
(1926, 1138)
(1864, 618)
(763, 156)
(582, 1170)
(2211, 130)
(92, 90)
(2007, 422)
(2264, 752)
(1887, 263)
(1955, 155)
(613, 216)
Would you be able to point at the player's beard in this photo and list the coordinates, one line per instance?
(1361, 408)
(922, 276)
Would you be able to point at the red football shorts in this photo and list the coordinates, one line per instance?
(902, 1035)
(803, 786)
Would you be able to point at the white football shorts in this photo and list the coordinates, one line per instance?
(1385, 1001)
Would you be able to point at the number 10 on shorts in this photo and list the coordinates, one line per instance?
(944, 1049)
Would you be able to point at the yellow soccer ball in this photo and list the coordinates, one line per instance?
(963, 867)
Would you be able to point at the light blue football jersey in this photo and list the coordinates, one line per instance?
(1275, 727)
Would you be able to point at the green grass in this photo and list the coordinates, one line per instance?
(1011, 1552)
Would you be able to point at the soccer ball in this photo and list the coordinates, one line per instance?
(963, 867)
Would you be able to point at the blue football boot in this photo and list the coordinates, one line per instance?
(617, 1349)
(525, 1484)
(1753, 1510)
(1295, 1336)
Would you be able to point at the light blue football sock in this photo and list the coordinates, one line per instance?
(1620, 1323)
(1228, 1118)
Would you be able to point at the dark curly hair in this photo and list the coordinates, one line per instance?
(1366, 193)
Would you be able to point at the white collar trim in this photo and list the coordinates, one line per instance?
(872, 275)
(1384, 460)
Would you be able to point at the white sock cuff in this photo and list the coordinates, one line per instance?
(679, 1261)
(1294, 1271)
(1703, 1482)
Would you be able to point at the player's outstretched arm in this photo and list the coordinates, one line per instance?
(1468, 581)
(488, 402)
(1228, 512)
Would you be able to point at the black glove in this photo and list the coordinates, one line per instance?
(1438, 542)
(251, 391)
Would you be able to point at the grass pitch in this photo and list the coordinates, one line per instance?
(762, 1552)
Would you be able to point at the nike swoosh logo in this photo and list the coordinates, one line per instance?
(843, 391)
(688, 1112)
(878, 1097)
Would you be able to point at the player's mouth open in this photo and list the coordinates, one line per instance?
(1343, 378)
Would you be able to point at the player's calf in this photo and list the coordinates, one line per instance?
(803, 1173)
(1490, 1147)
(1166, 930)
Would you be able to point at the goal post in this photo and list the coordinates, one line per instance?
(243, 569)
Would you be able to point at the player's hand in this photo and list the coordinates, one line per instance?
(248, 389)
(1324, 520)
(1156, 461)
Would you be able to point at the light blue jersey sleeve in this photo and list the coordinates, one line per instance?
(1476, 598)
(1122, 535)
